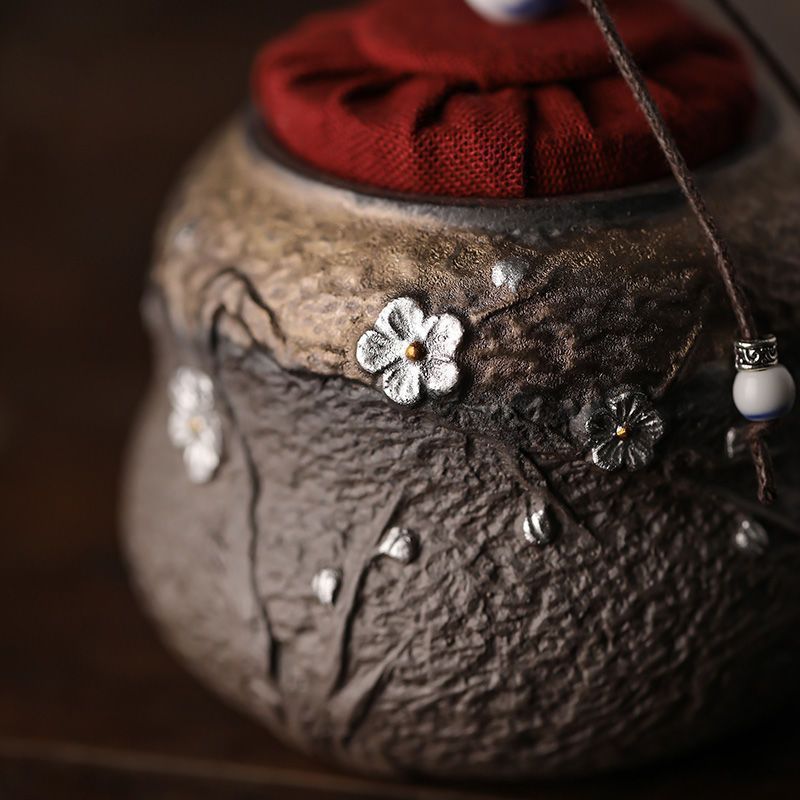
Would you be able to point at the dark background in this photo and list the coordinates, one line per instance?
(101, 103)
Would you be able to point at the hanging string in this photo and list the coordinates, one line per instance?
(722, 255)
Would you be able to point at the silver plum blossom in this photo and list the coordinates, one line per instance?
(624, 429)
(194, 425)
(415, 353)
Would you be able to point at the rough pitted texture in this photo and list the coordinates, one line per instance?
(640, 631)
(618, 288)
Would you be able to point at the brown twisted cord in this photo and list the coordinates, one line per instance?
(759, 454)
(722, 256)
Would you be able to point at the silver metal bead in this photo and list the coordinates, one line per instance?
(537, 527)
(751, 538)
(509, 274)
(400, 544)
(325, 585)
(756, 353)
(735, 443)
(185, 237)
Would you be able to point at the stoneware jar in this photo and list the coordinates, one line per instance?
(457, 487)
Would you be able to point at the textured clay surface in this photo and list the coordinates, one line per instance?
(640, 631)
(618, 289)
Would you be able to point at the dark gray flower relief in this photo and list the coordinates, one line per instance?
(623, 430)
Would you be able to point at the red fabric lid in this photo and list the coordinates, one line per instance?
(426, 97)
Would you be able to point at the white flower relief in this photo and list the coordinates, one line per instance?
(415, 353)
(194, 425)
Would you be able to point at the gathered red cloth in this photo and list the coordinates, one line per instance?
(426, 97)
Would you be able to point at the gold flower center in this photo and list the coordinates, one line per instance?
(415, 351)
(622, 431)
(196, 424)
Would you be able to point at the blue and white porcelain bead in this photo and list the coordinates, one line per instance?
(515, 11)
(763, 389)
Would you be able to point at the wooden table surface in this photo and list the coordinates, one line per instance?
(100, 104)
